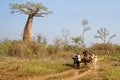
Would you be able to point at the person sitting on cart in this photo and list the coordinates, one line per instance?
(85, 53)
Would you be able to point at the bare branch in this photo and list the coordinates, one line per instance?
(41, 14)
(87, 28)
(111, 38)
(84, 22)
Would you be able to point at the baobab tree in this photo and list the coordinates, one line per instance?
(32, 10)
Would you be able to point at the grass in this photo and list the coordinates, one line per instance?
(41, 68)
(29, 67)
(110, 68)
(13, 68)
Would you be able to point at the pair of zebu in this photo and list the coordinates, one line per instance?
(84, 60)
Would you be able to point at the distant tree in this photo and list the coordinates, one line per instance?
(85, 29)
(103, 34)
(65, 36)
(32, 10)
(58, 43)
(44, 42)
(39, 38)
(77, 41)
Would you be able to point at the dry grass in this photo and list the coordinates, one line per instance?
(15, 68)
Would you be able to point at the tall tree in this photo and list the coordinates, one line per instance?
(85, 29)
(103, 34)
(32, 10)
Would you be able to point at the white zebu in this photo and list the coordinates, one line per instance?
(94, 60)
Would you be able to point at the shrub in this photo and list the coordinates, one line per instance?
(117, 48)
(36, 48)
(51, 49)
(4, 47)
(18, 48)
(67, 48)
(22, 49)
(28, 51)
(103, 48)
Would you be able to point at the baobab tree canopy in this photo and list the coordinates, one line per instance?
(32, 10)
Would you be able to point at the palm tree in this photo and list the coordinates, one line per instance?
(32, 10)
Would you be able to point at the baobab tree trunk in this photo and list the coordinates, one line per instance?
(27, 35)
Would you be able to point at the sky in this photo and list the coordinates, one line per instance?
(67, 14)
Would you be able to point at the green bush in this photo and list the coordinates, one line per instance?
(104, 49)
(21, 49)
(51, 49)
(36, 48)
(18, 48)
(4, 47)
(117, 48)
(28, 51)
(67, 48)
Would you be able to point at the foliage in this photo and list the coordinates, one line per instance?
(117, 48)
(21, 49)
(4, 47)
(50, 49)
(78, 41)
(30, 8)
(103, 48)
(113, 57)
(67, 48)
(17, 48)
(36, 48)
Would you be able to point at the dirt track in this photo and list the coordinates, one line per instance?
(73, 74)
